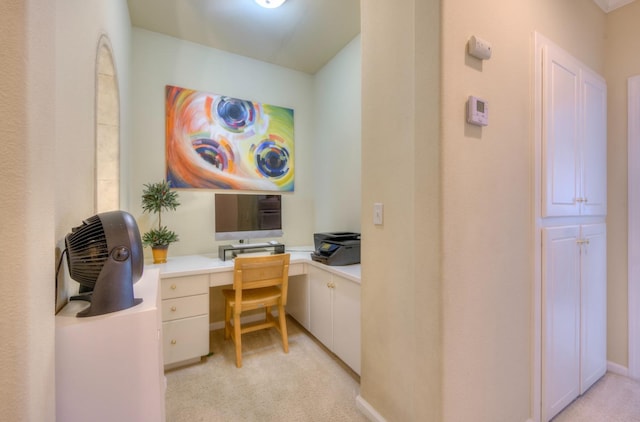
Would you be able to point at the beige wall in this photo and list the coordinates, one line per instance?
(48, 62)
(622, 61)
(474, 319)
(79, 26)
(487, 244)
(401, 297)
(26, 210)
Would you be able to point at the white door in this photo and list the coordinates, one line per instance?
(594, 304)
(298, 299)
(346, 317)
(594, 144)
(320, 306)
(561, 318)
(634, 225)
(560, 143)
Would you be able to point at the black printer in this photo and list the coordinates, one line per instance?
(336, 248)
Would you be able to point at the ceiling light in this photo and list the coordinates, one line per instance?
(270, 4)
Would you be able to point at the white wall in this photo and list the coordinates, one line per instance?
(159, 60)
(337, 145)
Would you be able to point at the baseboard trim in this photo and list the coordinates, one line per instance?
(366, 409)
(617, 369)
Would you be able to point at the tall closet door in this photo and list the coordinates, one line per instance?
(593, 304)
(561, 137)
(594, 144)
(561, 318)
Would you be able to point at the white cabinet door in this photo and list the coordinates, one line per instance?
(346, 318)
(561, 318)
(334, 308)
(560, 146)
(574, 312)
(594, 144)
(320, 306)
(593, 304)
(185, 339)
(574, 145)
(298, 299)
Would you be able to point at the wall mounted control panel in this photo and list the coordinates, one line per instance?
(479, 48)
(477, 111)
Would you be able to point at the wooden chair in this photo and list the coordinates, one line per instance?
(259, 281)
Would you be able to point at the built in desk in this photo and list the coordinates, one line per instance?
(323, 299)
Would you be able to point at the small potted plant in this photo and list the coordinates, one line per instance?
(158, 197)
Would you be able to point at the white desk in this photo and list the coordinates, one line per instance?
(318, 295)
(181, 266)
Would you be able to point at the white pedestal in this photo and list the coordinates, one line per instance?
(109, 367)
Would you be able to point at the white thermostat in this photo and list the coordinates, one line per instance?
(477, 111)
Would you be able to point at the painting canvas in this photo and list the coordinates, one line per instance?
(219, 142)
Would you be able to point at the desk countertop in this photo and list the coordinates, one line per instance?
(179, 266)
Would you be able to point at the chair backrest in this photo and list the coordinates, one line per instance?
(262, 271)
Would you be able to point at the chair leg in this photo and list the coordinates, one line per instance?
(237, 339)
(283, 328)
(267, 312)
(227, 320)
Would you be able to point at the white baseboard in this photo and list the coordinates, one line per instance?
(366, 409)
(617, 369)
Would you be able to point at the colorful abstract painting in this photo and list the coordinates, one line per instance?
(219, 142)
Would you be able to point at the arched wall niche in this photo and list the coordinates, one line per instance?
(107, 166)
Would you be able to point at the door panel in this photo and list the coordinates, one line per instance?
(561, 318)
(594, 305)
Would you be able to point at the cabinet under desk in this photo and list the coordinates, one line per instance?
(192, 304)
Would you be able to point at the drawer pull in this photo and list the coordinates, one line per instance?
(173, 309)
(173, 342)
(173, 287)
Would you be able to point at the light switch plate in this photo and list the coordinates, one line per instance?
(377, 213)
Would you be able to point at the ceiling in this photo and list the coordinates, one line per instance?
(302, 34)
(609, 5)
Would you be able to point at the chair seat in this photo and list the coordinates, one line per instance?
(254, 296)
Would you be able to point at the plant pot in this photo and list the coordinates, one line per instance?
(160, 253)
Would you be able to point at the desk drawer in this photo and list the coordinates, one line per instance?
(183, 307)
(185, 339)
(184, 286)
(222, 278)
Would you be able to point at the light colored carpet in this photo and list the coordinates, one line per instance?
(306, 384)
(613, 398)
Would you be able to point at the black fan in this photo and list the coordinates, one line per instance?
(104, 255)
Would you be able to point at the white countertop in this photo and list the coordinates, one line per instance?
(178, 266)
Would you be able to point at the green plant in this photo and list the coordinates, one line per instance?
(158, 197)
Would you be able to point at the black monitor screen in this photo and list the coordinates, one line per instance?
(245, 216)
